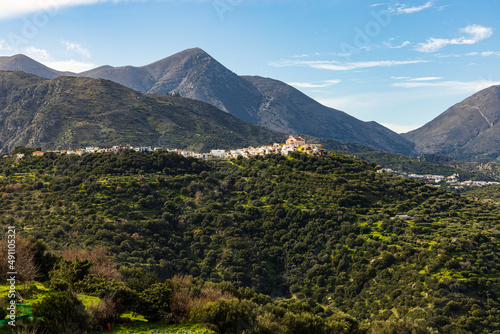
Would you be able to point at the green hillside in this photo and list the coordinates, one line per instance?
(319, 228)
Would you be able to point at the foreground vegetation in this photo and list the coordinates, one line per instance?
(271, 244)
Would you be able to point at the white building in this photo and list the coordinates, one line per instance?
(218, 153)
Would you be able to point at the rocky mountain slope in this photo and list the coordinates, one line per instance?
(273, 104)
(469, 131)
(68, 112)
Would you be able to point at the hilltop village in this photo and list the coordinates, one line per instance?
(292, 144)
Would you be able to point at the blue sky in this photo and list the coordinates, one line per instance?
(400, 63)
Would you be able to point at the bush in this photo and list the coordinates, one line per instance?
(227, 315)
(66, 273)
(62, 313)
(154, 303)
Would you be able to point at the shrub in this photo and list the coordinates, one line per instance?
(154, 303)
(227, 316)
(66, 273)
(62, 313)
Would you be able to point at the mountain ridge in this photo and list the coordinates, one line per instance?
(194, 74)
(69, 112)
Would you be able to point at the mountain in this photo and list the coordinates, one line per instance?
(467, 131)
(68, 112)
(273, 104)
(284, 108)
(23, 63)
(192, 74)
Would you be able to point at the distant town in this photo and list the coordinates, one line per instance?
(438, 180)
(292, 144)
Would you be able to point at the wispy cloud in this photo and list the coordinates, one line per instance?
(18, 8)
(39, 54)
(424, 79)
(485, 53)
(475, 33)
(78, 48)
(334, 65)
(399, 9)
(323, 84)
(44, 57)
(301, 56)
(70, 65)
(390, 46)
(457, 86)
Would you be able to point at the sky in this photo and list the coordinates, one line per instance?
(399, 63)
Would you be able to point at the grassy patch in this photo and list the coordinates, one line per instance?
(139, 327)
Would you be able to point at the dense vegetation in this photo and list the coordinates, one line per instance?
(317, 229)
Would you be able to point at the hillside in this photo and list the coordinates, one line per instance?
(319, 228)
(68, 112)
(270, 103)
(467, 131)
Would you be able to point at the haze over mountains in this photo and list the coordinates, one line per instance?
(469, 130)
(273, 104)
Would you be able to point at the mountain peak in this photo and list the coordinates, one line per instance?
(466, 131)
(20, 62)
(194, 51)
(19, 59)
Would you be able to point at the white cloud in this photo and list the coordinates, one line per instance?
(39, 54)
(326, 83)
(476, 33)
(44, 57)
(398, 128)
(70, 65)
(404, 9)
(78, 48)
(485, 53)
(426, 79)
(468, 87)
(343, 66)
(301, 56)
(390, 46)
(22, 7)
